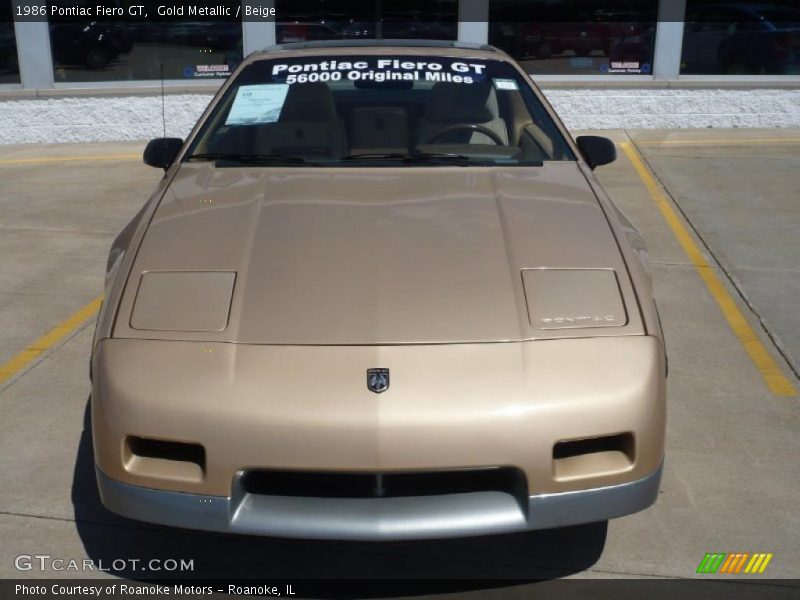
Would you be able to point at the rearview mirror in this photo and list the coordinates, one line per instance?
(596, 150)
(161, 152)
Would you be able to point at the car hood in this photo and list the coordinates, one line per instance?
(358, 256)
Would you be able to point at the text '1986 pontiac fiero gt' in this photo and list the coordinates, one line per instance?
(378, 294)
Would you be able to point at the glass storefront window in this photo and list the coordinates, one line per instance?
(753, 38)
(576, 37)
(115, 51)
(9, 64)
(310, 20)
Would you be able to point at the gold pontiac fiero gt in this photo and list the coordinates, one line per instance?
(378, 294)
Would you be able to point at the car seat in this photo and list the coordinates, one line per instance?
(379, 129)
(308, 123)
(458, 103)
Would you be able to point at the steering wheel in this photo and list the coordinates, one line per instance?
(492, 135)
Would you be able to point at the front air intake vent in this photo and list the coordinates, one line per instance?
(383, 485)
(593, 457)
(165, 459)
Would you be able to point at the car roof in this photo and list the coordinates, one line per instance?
(747, 6)
(444, 44)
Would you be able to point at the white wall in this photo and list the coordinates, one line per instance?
(138, 117)
(676, 108)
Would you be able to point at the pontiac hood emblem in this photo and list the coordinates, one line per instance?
(378, 380)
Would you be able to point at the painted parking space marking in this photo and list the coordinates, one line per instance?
(721, 142)
(48, 340)
(776, 381)
(49, 159)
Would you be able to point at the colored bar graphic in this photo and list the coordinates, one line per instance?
(734, 562)
(711, 562)
(754, 563)
(758, 563)
(741, 562)
(726, 565)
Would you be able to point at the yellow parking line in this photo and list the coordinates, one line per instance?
(776, 381)
(722, 142)
(49, 339)
(18, 161)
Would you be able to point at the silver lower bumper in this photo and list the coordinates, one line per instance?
(452, 515)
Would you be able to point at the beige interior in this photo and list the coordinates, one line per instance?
(452, 104)
(379, 129)
(308, 124)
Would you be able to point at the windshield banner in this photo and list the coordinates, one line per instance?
(379, 70)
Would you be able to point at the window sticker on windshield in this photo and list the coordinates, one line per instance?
(505, 84)
(380, 70)
(256, 104)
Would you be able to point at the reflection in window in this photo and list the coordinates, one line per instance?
(111, 51)
(311, 20)
(576, 36)
(9, 64)
(753, 38)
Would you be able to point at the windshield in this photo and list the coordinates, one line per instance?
(379, 110)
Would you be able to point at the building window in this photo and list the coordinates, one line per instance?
(112, 51)
(310, 20)
(756, 38)
(576, 37)
(9, 64)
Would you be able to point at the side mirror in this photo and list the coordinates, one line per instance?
(597, 151)
(161, 152)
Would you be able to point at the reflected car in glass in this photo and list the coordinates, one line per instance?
(401, 29)
(87, 44)
(378, 294)
(287, 33)
(742, 39)
(552, 37)
(106, 51)
(9, 64)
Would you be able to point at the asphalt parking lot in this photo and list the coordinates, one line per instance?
(720, 213)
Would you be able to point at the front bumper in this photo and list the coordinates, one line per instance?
(376, 519)
(448, 408)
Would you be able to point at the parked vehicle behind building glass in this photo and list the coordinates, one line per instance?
(741, 38)
(91, 51)
(9, 63)
(569, 36)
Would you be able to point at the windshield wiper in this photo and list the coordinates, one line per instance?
(248, 158)
(419, 157)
